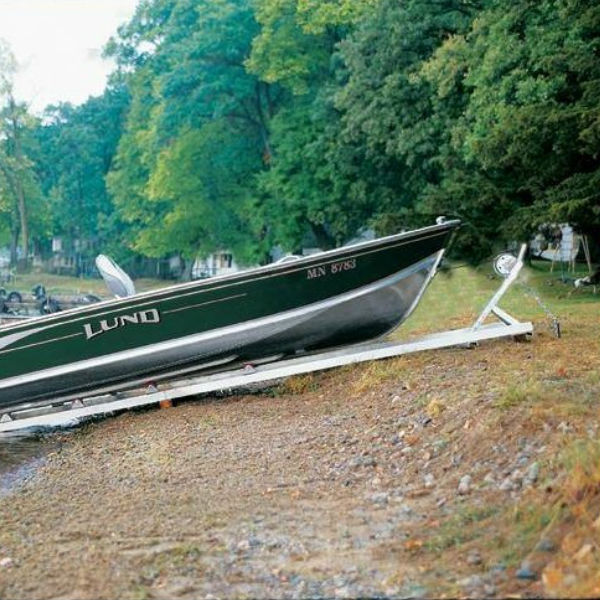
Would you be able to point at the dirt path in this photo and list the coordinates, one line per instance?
(390, 479)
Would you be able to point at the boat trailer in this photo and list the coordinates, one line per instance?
(66, 411)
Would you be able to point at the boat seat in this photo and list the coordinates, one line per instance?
(116, 280)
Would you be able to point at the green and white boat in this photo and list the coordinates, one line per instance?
(344, 296)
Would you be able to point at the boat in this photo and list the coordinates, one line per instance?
(339, 297)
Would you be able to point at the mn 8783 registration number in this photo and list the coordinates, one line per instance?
(331, 269)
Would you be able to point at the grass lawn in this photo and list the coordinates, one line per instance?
(71, 286)
(457, 296)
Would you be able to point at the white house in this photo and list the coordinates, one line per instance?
(217, 263)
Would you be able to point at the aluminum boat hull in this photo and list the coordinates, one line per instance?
(345, 296)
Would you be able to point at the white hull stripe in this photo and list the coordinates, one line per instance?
(15, 337)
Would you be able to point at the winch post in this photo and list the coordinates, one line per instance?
(491, 306)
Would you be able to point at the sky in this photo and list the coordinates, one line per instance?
(58, 46)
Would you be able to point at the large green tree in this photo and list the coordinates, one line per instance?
(76, 147)
(192, 89)
(525, 149)
(389, 107)
(314, 190)
(20, 197)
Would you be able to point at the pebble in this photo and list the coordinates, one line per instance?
(570, 580)
(414, 590)
(525, 572)
(254, 542)
(471, 581)
(474, 558)
(363, 461)
(564, 427)
(464, 486)
(507, 485)
(532, 473)
(6, 562)
(545, 545)
(380, 499)
(429, 480)
(583, 552)
(489, 478)
(439, 445)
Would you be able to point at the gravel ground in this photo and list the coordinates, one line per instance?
(344, 484)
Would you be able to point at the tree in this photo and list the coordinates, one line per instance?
(200, 188)
(388, 106)
(526, 148)
(18, 179)
(314, 189)
(76, 147)
(194, 84)
(297, 39)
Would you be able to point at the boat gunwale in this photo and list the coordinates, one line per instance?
(233, 278)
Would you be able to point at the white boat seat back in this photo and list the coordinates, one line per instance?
(116, 280)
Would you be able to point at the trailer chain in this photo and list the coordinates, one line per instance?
(552, 318)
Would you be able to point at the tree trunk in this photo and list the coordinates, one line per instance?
(186, 272)
(18, 185)
(14, 244)
(24, 262)
(263, 127)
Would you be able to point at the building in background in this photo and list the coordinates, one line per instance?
(213, 265)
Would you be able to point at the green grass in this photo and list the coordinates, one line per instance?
(462, 527)
(456, 297)
(528, 524)
(63, 285)
(519, 393)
